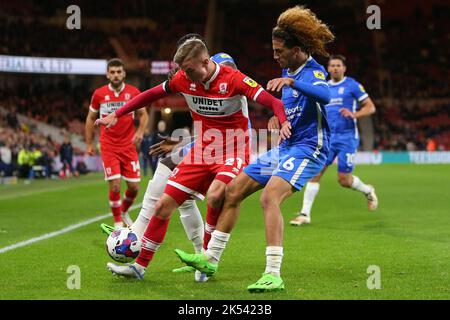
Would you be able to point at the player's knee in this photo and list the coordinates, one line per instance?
(161, 210)
(232, 194)
(114, 187)
(267, 199)
(134, 187)
(215, 198)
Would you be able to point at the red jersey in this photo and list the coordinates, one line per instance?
(219, 103)
(106, 100)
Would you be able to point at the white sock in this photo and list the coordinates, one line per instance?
(274, 256)
(155, 189)
(311, 190)
(192, 221)
(216, 245)
(360, 186)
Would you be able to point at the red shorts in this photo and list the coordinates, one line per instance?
(191, 180)
(121, 163)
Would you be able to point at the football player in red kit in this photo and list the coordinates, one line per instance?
(117, 144)
(214, 94)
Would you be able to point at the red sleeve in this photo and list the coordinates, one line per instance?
(142, 100)
(267, 100)
(95, 102)
(246, 86)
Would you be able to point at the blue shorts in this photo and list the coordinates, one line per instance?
(345, 149)
(296, 164)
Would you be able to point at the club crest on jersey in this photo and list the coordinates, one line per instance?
(223, 88)
(295, 93)
(319, 74)
(252, 83)
(107, 98)
(193, 87)
(127, 96)
(341, 90)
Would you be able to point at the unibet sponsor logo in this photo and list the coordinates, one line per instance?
(252, 83)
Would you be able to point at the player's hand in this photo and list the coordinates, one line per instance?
(273, 125)
(347, 113)
(278, 83)
(163, 147)
(137, 138)
(90, 150)
(285, 131)
(107, 121)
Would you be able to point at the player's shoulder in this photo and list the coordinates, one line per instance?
(132, 89)
(101, 91)
(315, 69)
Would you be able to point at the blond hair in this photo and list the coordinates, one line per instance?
(189, 49)
(299, 26)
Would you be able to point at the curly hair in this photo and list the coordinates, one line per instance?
(300, 27)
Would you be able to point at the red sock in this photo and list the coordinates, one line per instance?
(128, 199)
(152, 239)
(114, 203)
(212, 215)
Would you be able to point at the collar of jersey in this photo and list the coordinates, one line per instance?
(299, 68)
(336, 83)
(214, 76)
(116, 94)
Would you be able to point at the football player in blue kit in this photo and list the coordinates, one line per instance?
(349, 102)
(301, 155)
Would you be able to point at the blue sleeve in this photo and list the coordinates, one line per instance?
(319, 92)
(359, 92)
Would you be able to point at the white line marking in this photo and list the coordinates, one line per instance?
(59, 232)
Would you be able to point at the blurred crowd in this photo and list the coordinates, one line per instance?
(26, 153)
(404, 66)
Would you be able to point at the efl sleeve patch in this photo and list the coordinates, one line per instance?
(252, 83)
(319, 74)
(362, 88)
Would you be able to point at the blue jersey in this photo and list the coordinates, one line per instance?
(347, 93)
(302, 156)
(307, 117)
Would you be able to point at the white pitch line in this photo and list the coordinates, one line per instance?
(59, 232)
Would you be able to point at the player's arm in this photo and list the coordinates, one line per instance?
(317, 90)
(143, 121)
(89, 126)
(252, 90)
(366, 105)
(142, 100)
(367, 108)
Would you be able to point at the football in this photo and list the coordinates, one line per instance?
(123, 245)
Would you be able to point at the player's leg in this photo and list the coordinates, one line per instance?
(155, 189)
(115, 202)
(309, 195)
(273, 195)
(236, 191)
(346, 179)
(311, 191)
(151, 240)
(131, 173)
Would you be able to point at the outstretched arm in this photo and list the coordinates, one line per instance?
(141, 100)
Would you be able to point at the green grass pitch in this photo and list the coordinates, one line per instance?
(408, 238)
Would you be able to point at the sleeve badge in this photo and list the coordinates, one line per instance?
(319, 74)
(252, 83)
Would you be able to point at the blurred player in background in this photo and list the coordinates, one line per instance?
(300, 157)
(117, 144)
(349, 102)
(215, 96)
